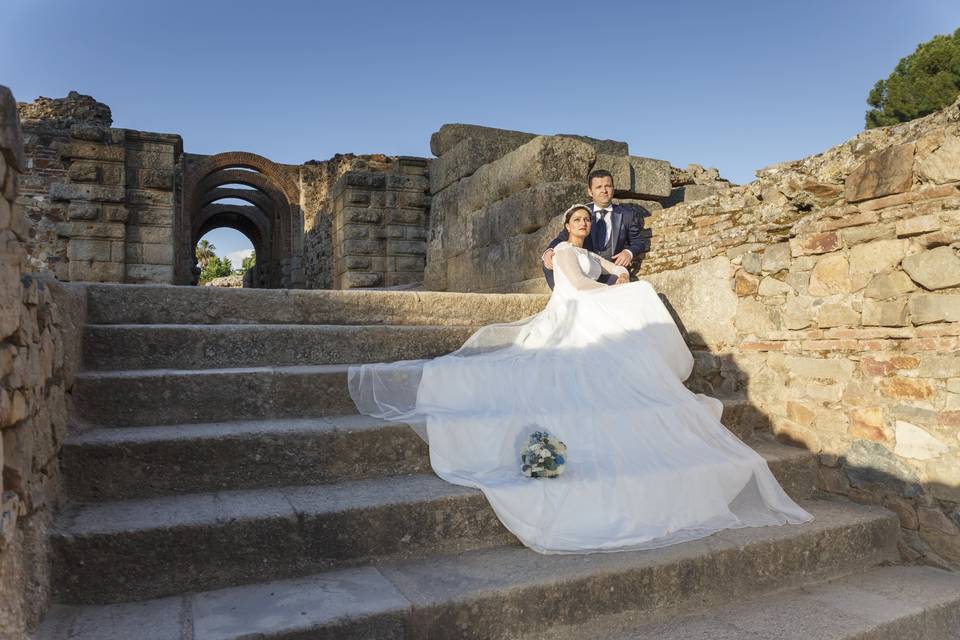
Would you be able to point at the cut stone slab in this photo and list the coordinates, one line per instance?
(351, 603)
(933, 269)
(214, 540)
(165, 346)
(514, 589)
(159, 304)
(146, 397)
(888, 603)
(883, 173)
(148, 620)
(451, 135)
(140, 462)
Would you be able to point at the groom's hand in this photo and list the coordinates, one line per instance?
(623, 259)
(547, 258)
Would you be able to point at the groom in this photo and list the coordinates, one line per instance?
(615, 234)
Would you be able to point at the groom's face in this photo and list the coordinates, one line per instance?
(601, 190)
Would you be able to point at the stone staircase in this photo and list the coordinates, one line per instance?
(221, 486)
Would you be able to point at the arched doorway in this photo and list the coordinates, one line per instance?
(253, 195)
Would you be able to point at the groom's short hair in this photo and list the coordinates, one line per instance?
(598, 173)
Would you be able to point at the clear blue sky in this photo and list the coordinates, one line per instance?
(735, 85)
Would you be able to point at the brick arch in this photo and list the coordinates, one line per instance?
(247, 160)
(254, 196)
(249, 221)
(278, 197)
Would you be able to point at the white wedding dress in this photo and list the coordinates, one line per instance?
(601, 368)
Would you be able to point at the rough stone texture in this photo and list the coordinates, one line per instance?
(843, 324)
(39, 348)
(934, 269)
(883, 173)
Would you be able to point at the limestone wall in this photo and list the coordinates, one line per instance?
(823, 302)
(498, 196)
(101, 201)
(40, 323)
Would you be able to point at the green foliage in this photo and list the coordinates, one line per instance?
(923, 82)
(248, 263)
(204, 252)
(215, 268)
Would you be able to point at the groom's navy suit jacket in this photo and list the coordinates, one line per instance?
(626, 230)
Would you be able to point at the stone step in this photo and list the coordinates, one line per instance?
(178, 346)
(159, 304)
(887, 603)
(138, 549)
(140, 462)
(494, 593)
(171, 396)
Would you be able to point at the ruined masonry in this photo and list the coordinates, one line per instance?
(185, 462)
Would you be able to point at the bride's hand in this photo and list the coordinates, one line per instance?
(623, 278)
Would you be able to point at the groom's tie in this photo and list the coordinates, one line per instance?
(600, 231)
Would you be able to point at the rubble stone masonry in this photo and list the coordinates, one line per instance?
(39, 351)
(823, 303)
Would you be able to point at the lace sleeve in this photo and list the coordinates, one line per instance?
(565, 262)
(609, 267)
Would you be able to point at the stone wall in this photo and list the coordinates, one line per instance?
(317, 179)
(101, 201)
(498, 198)
(823, 304)
(379, 226)
(40, 323)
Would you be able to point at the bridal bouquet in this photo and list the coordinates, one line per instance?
(543, 456)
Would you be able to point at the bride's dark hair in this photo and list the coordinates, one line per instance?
(569, 212)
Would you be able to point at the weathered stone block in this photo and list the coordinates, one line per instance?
(814, 243)
(798, 313)
(92, 230)
(362, 214)
(469, 155)
(649, 177)
(155, 179)
(754, 317)
(362, 247)
(158, 254)
(116, 213)
(874, 257)
(83, 211)
(410, 263)
(702, 297)
(889, 285)
(93, 151)
(144, 198)
(93, 192)
(870, 464)
(146, 273)
(837, 315)
(916, 226)
(413, 247)
(452, 135)
(542, 159)
(928, 307)
(893, 313)
(356, 279)
(150, 235)
(89, 249)
(943, 163)
(81, 271)
(771, 286)
(776, 257)
(84, 172)
(830, 276)
(883, 173)
(915, 443)
(832, 368)
(907, 388)
(937, 268)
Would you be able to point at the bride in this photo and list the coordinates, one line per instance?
(600, 368)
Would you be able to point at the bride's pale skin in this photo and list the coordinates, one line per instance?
(578, 228)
